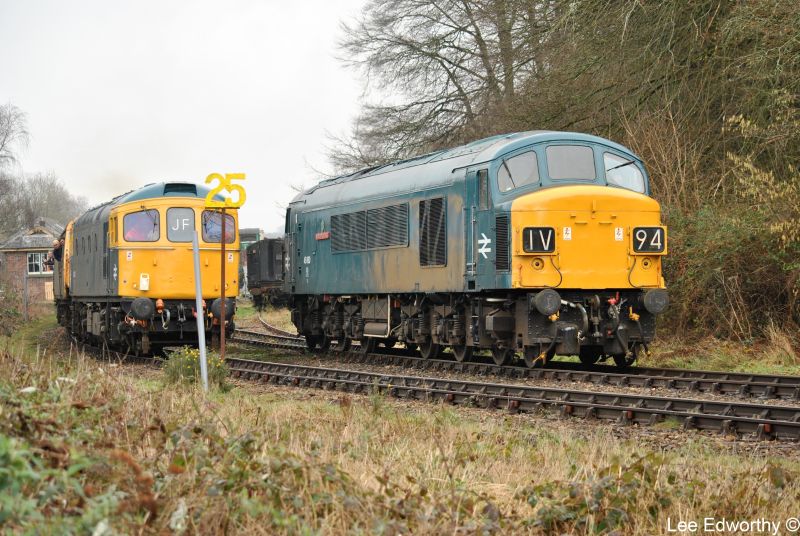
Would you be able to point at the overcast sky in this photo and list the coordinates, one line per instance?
(121, 94)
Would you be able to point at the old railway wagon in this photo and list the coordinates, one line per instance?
(265, 272)
(530, 244)
(126, 276)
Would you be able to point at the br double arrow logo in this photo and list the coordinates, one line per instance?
(484, 243)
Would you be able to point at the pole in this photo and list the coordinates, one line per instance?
(198, 306)
(25, 295)
(222, 292)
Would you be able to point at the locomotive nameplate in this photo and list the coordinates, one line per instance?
(539, 240)
(649, 240)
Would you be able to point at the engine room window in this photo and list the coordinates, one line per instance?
(570, 162)
(142, 226)
(623, 172)
(180, 224)
(212, 227)
(483, 189)
(518, 171)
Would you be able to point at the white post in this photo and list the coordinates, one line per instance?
(198, 300)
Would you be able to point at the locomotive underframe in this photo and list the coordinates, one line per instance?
(111, 322)
(591, 324)
(269, 293)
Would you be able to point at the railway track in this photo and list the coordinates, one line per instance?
(762, 421)
(739, 418)
(277, 331)
(729, 383)
(779, 387)
(269, 340)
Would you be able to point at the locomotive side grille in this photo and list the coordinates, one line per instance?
(349, 231)
(502, 262)
(387, 226)
(370, 229)
(432, 232)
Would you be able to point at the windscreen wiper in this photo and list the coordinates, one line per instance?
(513, 184)
(628, 163)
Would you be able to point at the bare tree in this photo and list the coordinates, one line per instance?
(13, 133)
(46, 195)
(24, 201)
(448, 62)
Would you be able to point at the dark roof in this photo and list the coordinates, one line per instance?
(149, 191)
(40, 236)
(431, 170)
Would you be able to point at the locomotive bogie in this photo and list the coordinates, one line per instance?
(606, 323)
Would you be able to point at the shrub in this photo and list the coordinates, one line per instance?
(10, 309)
(183, 366)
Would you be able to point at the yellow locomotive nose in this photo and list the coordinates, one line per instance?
(587, 237)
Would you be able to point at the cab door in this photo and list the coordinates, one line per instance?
(290, 252)
(480, 236)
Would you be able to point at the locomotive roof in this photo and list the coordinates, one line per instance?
(149, 191)
(431, 170)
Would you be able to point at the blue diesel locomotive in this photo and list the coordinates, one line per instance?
(528, 244)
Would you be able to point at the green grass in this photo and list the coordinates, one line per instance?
(30, 332)
(245, 309)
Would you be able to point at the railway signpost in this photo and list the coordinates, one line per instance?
(224, 182)
(198, 306)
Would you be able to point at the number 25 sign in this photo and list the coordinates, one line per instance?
(224, 182)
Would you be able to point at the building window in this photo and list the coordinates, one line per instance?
(36, 263)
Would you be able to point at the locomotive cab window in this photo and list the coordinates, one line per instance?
(180, 224)
(623, 172)
(517, 171)
(570, 162)
(212, 227)
(142, 226)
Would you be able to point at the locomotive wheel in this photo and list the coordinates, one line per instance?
(311, 342)
(318, 342)
(342, 345)
(367, 345)
(411, 346)
(590, 355)
(531, 355)
(622, 361)
(462, 352)
(502, 356)
(429, 349)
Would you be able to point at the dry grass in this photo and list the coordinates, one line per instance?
(247, 316)
(110, 445)
(280, 318)
(775, 354)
